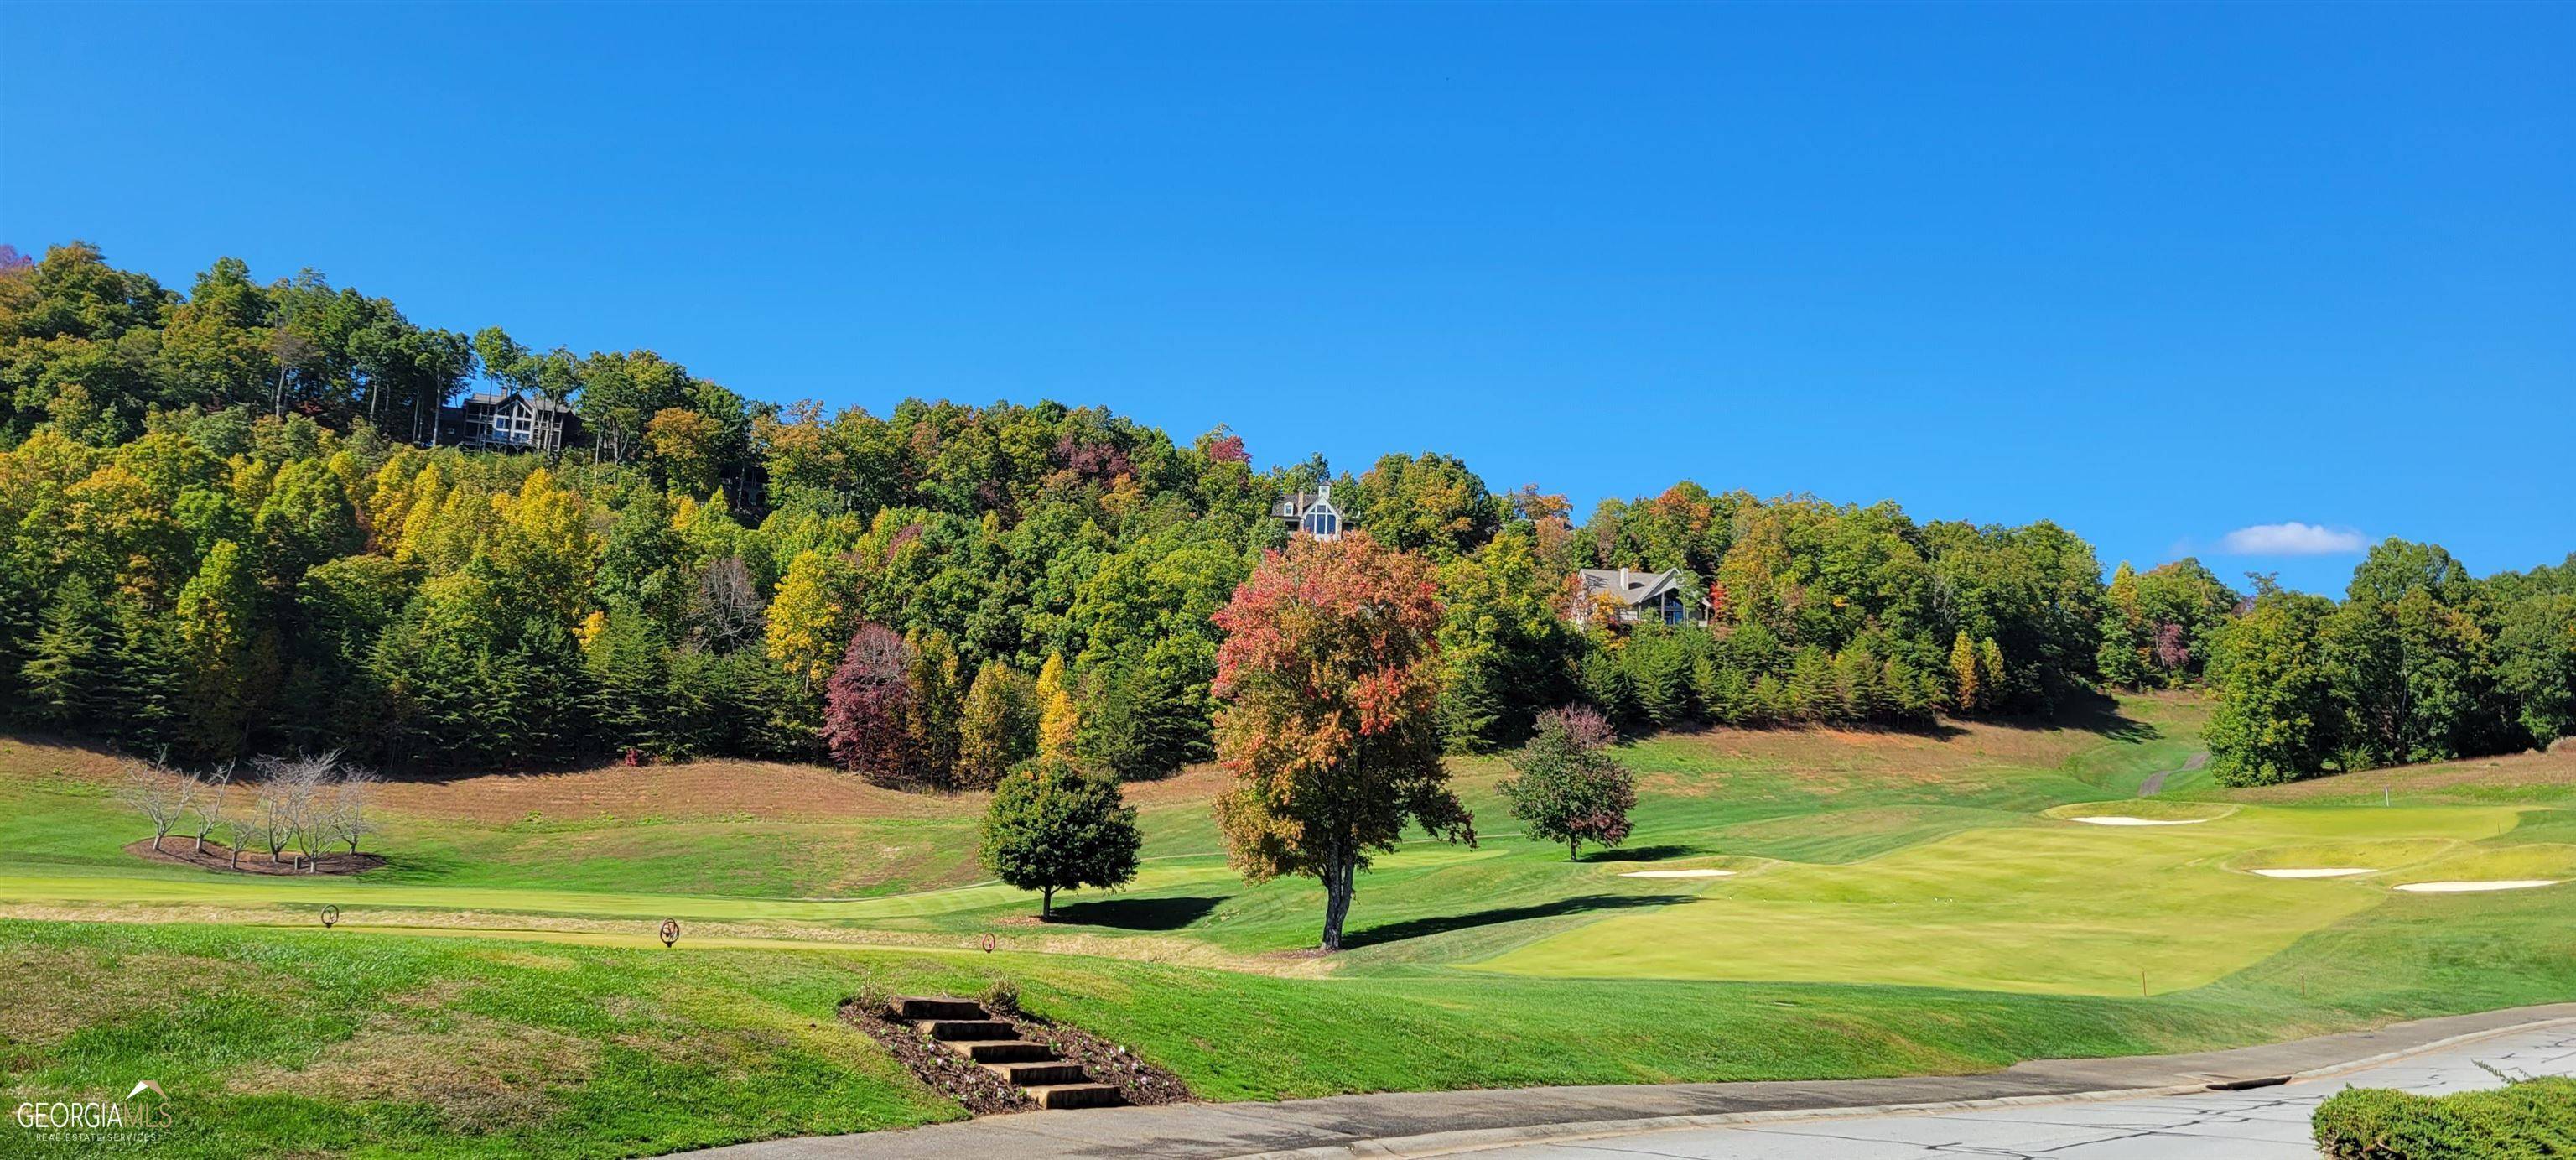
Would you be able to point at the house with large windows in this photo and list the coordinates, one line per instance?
(508, 420)
(1312, 512)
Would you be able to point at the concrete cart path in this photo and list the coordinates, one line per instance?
(1331, 1126)
(2155, 783)
(2270, 1123)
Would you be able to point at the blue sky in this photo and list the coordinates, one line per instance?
(2159, 273)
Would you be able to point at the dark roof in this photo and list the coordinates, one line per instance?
(1629, 586)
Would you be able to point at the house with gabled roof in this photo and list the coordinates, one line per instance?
(515, 420)
(1312, 512)
(1631, 597)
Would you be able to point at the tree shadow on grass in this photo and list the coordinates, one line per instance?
(2089, 713)
(1138, 913)
(1443, 924)
(1640, 853)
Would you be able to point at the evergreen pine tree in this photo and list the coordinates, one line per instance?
(1813, 695)
(59, 681)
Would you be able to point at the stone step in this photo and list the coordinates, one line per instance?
(1002, 1050)
(1075, 1095)
(1040, 1073)
(967, 1028)
(939, 1008)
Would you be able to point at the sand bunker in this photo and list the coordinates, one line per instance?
(2315, 872)
(2470, 887)
(2125, 820)
(1679, 874)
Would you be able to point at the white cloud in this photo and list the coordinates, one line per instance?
(2292, 539)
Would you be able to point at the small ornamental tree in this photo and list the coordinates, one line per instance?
(867, 705)
(157, 793)
(1052, 827)
(1329, 677)
(1568, 788)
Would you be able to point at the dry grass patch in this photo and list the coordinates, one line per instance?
(764, 790)
(472, 1070)
(2475, 779)
(40, 760)
(54, 992)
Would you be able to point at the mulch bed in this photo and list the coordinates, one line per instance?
(951, 1074)
(217, 856)
(1141, 1082)
(985, 1093)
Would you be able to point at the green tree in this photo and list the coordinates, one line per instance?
(2276, 718)
(1051, 827)
(60, 681)
(936, 706)
(218, 614)
(1813, 693)
(999, 729)
(2536, 664)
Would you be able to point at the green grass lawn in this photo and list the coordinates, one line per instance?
(1901, 904)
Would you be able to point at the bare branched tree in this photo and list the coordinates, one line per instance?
(729, 607)
(152, 790)
(206, 809)
(291, 795)
(251, 828)
(346, 817)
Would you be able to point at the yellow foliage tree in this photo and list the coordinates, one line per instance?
(810, 621)
(1965, 675)
(1058, 719)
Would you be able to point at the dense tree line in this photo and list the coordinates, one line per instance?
(2419, 662)
(226, 536)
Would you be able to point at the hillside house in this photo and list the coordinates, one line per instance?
(1312, 512)
(508, 420)
(1633, 597)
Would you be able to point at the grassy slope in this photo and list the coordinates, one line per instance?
(716, 1031)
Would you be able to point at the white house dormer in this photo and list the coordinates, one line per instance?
(1312, 512)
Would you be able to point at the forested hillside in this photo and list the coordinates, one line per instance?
(225, 538)
(2419, 662)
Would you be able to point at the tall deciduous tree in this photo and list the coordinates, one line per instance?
(868, 707)
(1329, 677)
(811, 617)
(999, 729)
(1059, 719)
(1967, 680)
(2276, 718)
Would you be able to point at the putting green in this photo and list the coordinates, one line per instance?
(2046, 909)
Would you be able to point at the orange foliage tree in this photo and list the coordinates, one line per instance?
(1328, 678)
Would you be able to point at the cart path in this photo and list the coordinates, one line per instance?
(1437, 1123)
(2156, 781)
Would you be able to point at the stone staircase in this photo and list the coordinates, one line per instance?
(963, 1026)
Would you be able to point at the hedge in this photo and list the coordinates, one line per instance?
(2530, 1120)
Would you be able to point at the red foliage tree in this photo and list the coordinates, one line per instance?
(866, 704)
(1328, 675)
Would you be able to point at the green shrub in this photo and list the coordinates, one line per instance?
(2531, 1119)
